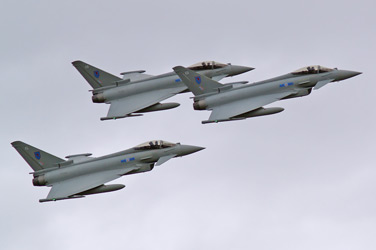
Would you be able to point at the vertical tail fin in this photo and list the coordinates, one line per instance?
(97, 78)
(197, 83)
(36, 158)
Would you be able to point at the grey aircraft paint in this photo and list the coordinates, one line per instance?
(138, 93)
(82, 175)
(241, 101)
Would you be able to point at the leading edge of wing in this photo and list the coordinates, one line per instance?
(126, 106)
(229, 110)
(82, 183)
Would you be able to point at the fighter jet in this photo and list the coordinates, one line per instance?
(138, 93)
(82, 175)
(229, 102)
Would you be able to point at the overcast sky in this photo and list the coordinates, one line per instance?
(301, 179)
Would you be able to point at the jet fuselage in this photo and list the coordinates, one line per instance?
(82, 175)
(300, 84)
(156, 83)
(144, 159)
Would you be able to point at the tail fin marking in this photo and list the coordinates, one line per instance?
(36, 158)
(197, 83)
(96, 77)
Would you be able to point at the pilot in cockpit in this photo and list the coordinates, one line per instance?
(311, 70)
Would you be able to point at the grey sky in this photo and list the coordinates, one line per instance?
(301, 179)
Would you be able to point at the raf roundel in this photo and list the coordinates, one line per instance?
(96, 73)
(198, 79)
(37, 155)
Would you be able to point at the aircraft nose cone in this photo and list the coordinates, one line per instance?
(188, 149)
(236, 69)
(345, 74)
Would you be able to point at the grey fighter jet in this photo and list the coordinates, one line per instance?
(139, 93)
(236, 101)
(82, 175)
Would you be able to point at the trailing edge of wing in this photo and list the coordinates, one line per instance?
(229, 110)
(126, 106)
(80, 184)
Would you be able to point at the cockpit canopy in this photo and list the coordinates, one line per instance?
(207, 65)
(157, 144)
(315, 69)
